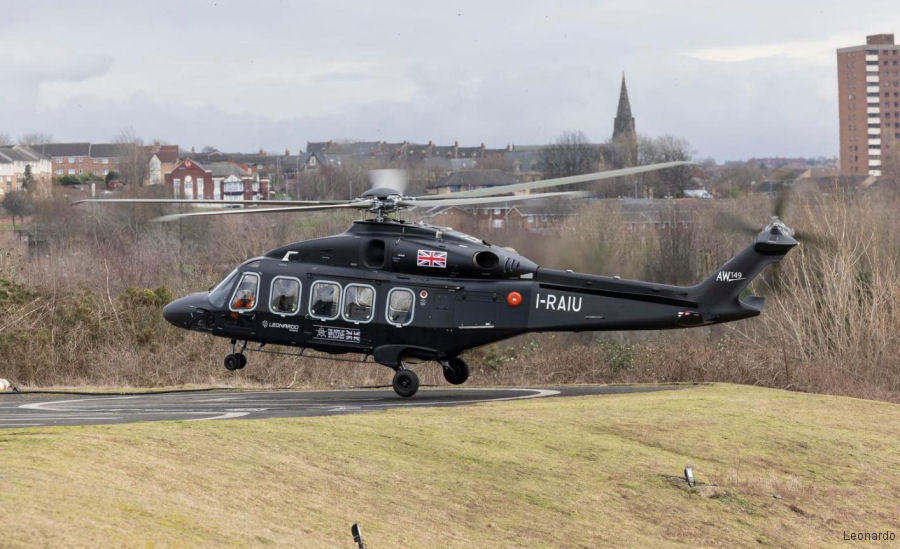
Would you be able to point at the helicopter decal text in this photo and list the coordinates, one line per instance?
(289, 327)
(349, 335)
(431, 258)
(552, 302)
(729, 276)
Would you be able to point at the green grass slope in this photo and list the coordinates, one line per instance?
(573, 472)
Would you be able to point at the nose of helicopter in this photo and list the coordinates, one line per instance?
(182, 311)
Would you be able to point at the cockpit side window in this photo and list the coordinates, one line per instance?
(325, 300)
(219, 294)
(400, 304)
(244, 297)
(359, 303)
(284, 297)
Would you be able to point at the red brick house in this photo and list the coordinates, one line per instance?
(76, 159)
(190, 180)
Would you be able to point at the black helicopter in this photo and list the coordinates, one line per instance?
(400, 291)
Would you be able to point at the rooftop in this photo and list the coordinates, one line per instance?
(475, 178)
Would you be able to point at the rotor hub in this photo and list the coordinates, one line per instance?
(383, 205)
(777, 226)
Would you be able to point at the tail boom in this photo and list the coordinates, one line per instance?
(567, 301)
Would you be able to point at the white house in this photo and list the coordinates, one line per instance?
(14, 159)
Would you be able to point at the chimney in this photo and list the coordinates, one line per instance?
(482, 146)
(429, 142)
(287, 152)
(456, 144)
(262, 152)
(192, 149)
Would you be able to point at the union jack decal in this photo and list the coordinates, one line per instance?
(431, 258)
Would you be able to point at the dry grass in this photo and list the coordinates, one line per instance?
(829, 326)
(574, 472)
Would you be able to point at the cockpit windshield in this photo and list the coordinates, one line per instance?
(219, 294)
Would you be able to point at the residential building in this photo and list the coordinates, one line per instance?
(868, 103)
(189, 180)
(215, 181)
(269, 167)
(469, 180)
(525, 161)
(81, 158)
(163, 161)
(13, 162)
(236, 181)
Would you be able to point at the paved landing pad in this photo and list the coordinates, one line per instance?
(33, 410)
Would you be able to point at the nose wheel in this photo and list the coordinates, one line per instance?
(406, 382)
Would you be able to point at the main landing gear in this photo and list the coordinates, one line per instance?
(237, 359)
(456, 371)
(406, 382)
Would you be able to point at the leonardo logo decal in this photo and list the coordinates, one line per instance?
(729, 276)
(282, 325)
(431, 258)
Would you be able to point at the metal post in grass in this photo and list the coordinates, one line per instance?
(357, 536)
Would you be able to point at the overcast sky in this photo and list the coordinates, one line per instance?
(737, 79)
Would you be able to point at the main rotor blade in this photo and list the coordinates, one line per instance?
(411, 202)
(208, 201)
(781, 201)
(359, 205)
(732, 222)
(816, 239)
(556, 182)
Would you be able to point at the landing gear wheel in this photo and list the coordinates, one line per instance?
(235, 361)
(456, 371)
(406, 383)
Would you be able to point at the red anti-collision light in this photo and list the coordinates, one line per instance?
(514, 299)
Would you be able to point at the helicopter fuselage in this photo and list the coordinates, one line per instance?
(399, 291)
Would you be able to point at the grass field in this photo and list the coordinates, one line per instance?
(573, 472)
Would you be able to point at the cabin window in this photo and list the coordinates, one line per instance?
(359, 303)
(400, 303)
(325, 300)
(219, 294)
(284, 296)
(244, 298)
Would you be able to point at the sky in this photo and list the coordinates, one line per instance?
(737, 79)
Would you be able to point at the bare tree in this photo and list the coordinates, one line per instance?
(134, 158)
(35, 138)
(570, 154)
(737, 179)
(666, 148)
(5, 140)
(890, 162)
(619, 152)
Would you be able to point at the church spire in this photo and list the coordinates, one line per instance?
(624, 122)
